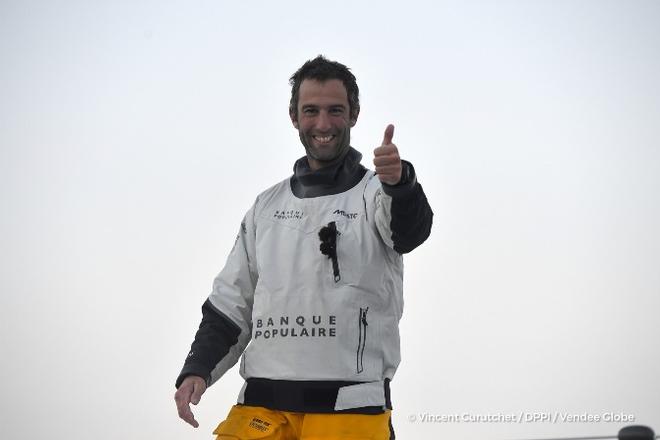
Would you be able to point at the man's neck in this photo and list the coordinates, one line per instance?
(315, 164)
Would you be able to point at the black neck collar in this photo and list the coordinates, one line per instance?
(339, 176)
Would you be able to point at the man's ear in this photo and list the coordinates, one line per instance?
(294, 119)
(354, 117)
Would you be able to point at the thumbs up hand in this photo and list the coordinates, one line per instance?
(387, 160)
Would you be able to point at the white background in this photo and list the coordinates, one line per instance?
(135, 134)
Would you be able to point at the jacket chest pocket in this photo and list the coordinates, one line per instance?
(330, 251)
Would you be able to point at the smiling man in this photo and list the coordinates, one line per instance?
(312, 292)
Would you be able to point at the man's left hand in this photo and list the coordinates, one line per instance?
(387, 160)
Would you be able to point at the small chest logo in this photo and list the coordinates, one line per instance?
(290, 214)
(348, 215)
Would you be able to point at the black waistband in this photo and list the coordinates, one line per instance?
(305, 396)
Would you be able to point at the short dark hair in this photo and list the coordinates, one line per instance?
(322, 69)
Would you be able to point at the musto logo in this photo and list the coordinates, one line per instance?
(315, 326)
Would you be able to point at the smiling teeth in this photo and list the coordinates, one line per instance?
(323, 138)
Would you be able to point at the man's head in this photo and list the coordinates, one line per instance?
(324, 106)
(322, 69)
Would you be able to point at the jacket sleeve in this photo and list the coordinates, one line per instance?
(403, 215)
(226, 324)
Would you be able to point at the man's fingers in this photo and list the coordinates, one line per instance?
(187, 416)
(385, 150)
(198, 390)
(389, 133)
(190, 419)
(182, 395)
(386, 160)
(389, 170)
(183, 408)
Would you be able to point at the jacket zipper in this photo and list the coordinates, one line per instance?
(362, 338)
(328, 235)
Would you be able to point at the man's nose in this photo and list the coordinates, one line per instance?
(323, 121)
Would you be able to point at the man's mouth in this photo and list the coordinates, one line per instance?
(324, 139)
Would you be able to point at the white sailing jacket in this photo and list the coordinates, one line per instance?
(312, 293)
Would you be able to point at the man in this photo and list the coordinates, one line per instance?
(314, 282)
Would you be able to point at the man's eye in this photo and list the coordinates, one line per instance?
(337, 111)
(309, 111)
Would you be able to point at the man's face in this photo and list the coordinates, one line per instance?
(324, 122)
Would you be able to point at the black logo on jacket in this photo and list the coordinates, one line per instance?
(289, 214)
(348, 215)
(301, 326)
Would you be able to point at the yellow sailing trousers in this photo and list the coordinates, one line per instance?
(253, 422)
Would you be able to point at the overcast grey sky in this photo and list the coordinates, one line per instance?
(135, 134)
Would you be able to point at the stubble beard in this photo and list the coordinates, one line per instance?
(326, 157)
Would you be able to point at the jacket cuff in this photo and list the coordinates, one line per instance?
(193, 370)
(405, 185)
